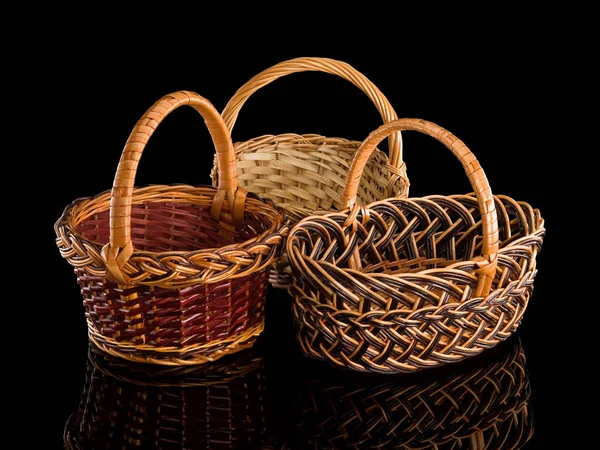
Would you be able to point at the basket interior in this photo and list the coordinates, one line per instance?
(403, 236)
(160, 226)
(309, 172)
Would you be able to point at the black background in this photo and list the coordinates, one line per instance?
(494, 97)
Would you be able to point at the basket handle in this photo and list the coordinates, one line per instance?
(327, 65)
(477, 178)
(119, 249)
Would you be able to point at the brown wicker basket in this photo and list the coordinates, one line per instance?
(218, 405)
(306, 173)
(173, 274)
(397, 286)
(481, 405)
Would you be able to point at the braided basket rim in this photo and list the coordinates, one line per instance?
(65, 221)
(539, 221)
(204, 265)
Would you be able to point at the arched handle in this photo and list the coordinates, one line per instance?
(117, 252)
(327, 65)
(477, 178)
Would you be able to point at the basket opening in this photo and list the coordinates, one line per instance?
(176, 226)
(404, 236)
(310, 172)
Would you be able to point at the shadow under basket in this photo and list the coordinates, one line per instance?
(171, 228)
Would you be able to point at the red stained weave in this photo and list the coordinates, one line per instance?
(180, 317)
(160, 227)
(173, 317)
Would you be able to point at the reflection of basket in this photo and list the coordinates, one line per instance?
(481, 404)
(173, 274)
(407, 284)
(217, 405)
(306, 174)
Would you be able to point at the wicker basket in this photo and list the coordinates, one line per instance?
(173, 274)
(483, 405)
(406, 284)
(306, 173)
(219, 405)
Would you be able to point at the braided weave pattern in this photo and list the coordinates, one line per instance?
(177, 243)
(483, 406)
(392, 290)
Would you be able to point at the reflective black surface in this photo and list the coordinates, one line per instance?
(271, 396)
(129, 405)
(482, 404)
(232, 403)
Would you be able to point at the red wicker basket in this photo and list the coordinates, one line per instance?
(403, 284)
(173, 274)
(220, 405)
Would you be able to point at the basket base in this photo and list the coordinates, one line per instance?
(171, 356)
(306, 338)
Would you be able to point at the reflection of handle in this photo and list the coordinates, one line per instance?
(472, 168)
(331, 66)
(120, 248)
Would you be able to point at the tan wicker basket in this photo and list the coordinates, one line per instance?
(173, 274)
(406, 284)
(306, 173)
